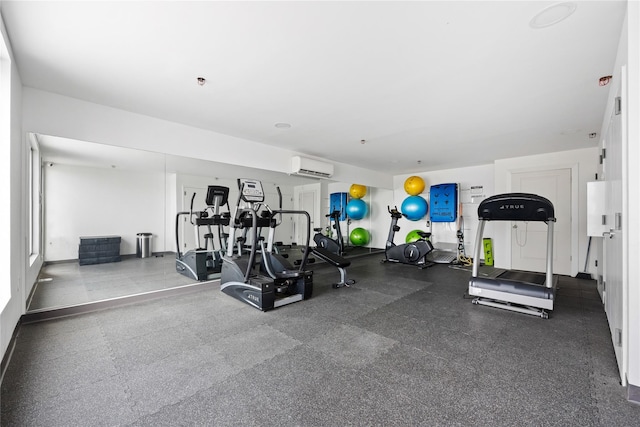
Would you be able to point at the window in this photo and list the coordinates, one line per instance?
(35, 197)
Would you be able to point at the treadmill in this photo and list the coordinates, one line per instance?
(521, 291)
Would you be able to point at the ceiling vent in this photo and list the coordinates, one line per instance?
(309, 167)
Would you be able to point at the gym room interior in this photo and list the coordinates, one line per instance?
(372, 141)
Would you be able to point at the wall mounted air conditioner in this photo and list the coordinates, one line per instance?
(309, 167)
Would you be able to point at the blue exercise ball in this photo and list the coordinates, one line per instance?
(414, 208)
(357, 209)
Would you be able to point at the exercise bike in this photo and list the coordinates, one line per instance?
(335, 246)
(414, 253)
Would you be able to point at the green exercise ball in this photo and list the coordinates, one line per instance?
(412, 236)
(359, 236)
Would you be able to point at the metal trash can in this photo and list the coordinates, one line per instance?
(143, 245)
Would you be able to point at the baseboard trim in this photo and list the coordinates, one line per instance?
(122, 256)
(6, 358)
(633, 393)
(72, 310)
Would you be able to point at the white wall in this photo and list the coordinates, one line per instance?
(82, 201)
(633, 212)
(379, 217)
(51, 114)
(16, 226)
(446, 232)
(171, 202)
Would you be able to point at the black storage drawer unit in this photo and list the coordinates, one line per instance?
(99, 249)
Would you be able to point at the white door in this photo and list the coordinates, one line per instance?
(307, 198)
(529, 239)
(186, 229)
(284, 232)
(613, 249)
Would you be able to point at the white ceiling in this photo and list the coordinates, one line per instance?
(427, 85)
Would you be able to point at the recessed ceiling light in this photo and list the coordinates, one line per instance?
(201, 80)
(282, 125)
(553, 14)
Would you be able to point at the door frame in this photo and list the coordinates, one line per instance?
(185, 223)
(575, 194)
(298, 191)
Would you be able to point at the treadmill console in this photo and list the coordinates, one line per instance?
(251, 190)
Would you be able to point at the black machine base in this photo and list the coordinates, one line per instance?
(265, 293)
(199, 265)
(410, 253)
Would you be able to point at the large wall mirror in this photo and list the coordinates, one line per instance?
(95, 190)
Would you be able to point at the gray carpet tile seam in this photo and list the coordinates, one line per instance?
(304, 345)
(199, 392)
(407, 318)
(354, 371)
(266, 363)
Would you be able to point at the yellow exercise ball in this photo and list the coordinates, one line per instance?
(414, 185)
(357, 191)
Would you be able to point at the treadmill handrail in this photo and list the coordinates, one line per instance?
(516, 207)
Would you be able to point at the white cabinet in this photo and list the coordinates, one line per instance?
(596, 209)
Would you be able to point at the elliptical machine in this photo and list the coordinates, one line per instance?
(335, 246)
(413, 253)
(204, 263)
(271, 282)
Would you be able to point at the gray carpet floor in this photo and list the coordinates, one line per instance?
(68, 283)
(401, 347)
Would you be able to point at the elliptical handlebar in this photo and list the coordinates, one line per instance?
(279, 220)
(254, 238)
(191, 209)
(178, 215)
(236, 218)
